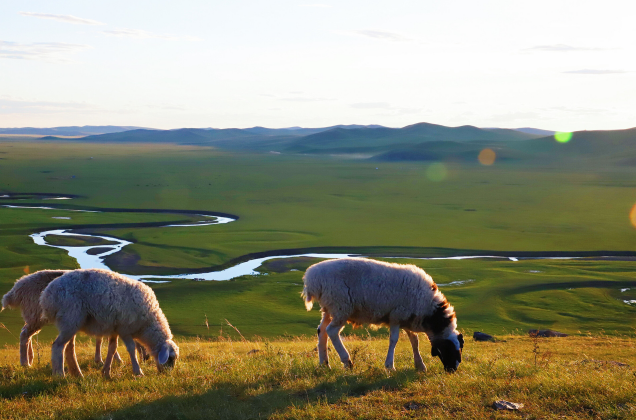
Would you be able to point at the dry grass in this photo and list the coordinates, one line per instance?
(575, 377)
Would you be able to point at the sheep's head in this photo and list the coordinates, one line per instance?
(449, 350)
(167, 356)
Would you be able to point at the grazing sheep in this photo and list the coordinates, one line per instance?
(362, 291)
(104, 303)
(25, 294)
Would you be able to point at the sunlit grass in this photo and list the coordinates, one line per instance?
(582, 377)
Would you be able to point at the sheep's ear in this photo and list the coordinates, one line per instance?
(163, 354)
(434, 352)
(460, 338)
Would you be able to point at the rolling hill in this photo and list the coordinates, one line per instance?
(379, 139)
(86, 130)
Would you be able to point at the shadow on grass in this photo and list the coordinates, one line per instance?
(229, 401)
(29, 389)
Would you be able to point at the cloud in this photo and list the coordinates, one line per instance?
(63, 18)
(385, 106)
(50, 51)
(561, 48)
(513, 116)
(11, 106)
(141, 34)
(372, 105)
(304, 99)
(381, 35)
(594, 71)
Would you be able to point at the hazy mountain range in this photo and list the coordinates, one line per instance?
(86, 130)
(417, 142)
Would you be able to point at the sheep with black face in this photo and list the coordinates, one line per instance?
(104, 303)
(363, 291)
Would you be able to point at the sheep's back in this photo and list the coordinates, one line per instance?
(103, 295)
(370, 290)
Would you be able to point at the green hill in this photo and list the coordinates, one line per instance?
(369, 139)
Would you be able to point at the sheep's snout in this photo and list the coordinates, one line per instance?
(168, 355)
(448, 353)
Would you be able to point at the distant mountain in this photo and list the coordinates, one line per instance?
(68, 131)
(418, 142)
(528, 130)
(369, 139)
(300, 131)
(584, 149)
(179, 136)
(537, 131)
(594, 144)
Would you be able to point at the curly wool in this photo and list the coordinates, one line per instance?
(104, 303)
(26, 292)
(363, 291)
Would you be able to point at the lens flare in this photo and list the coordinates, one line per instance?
(487, 157)
(562, 137)
(632, 215)
(436, 172)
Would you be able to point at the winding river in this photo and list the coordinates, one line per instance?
(92, 256)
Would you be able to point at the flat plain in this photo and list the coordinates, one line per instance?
(333, 204)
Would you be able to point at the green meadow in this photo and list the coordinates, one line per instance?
(331, 204)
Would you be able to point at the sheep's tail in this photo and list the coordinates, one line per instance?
(9, 300)
(309, 299)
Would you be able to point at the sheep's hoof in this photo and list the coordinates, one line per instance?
(420, 367)
(348, 364)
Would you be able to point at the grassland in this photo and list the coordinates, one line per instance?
(300, 202)
(571, 378)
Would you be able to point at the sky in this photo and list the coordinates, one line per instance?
(559, 64)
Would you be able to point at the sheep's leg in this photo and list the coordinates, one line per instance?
(415, 343)
(333, 331)
(71, 360)
(323, 356)
(26, 348)
(98, 350)
(57, 351)
(132, 350)
(30, 350)
(394, 335)
(118, 357)
(112, 348)
(142, 352)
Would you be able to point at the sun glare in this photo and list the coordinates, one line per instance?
(562, 137)
(487, 157)
(632, 215)
(436, 172)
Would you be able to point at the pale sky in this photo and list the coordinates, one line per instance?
(561, 65)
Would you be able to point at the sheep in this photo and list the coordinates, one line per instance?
(25, 294)
(103, 303)
(363, 291)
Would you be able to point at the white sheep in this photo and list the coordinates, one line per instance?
(104, 303)
(363, 291)
(25, 295)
